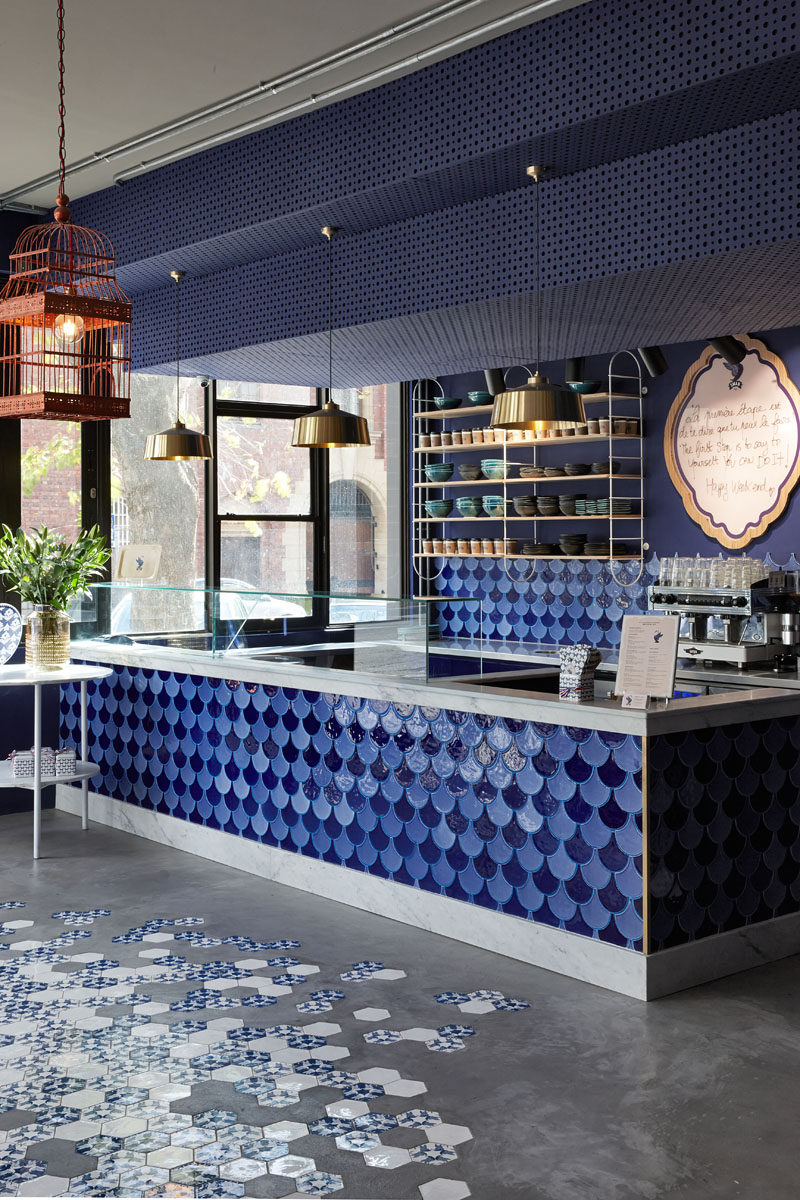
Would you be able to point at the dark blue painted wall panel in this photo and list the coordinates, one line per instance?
(668, 527)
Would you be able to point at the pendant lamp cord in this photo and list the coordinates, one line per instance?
(178, 276)
(62, 159)
(538, 275)
(178, 346)
(330, 317)
(62, 213)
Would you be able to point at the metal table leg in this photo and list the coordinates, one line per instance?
(84, 758)
(37, 767)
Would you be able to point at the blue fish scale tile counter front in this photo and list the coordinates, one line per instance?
(636, 850)
(537, 820)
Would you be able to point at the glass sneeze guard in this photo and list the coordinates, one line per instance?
(374, 635)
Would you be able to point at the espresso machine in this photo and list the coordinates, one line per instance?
(743, 621)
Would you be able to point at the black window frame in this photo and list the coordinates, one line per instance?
(96, 492)
(318, 517)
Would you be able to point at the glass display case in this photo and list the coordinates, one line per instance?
(374, 635)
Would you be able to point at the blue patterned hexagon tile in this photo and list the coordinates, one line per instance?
(534, 820)
(195, 1063)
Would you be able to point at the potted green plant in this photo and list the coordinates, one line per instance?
(49, 572)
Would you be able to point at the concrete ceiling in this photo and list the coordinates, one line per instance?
(132, 67)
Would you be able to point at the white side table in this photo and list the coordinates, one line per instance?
(22, 676)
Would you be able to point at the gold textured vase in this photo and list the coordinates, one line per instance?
(47, 638)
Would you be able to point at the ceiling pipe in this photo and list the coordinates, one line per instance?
(334, 93)
(274, 87)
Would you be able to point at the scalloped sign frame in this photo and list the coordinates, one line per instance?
(732, 443)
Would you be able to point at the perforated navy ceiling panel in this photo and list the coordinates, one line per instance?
(668, 304)
(676, 123)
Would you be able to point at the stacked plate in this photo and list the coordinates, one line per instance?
(554, 472)
(494, 468)
(568, 503)
(620, 506)
(577, 468)
(531, 472)
(495, 506)
(572, 544)
(438, 508)
(586, 507)
(547, 505)
(602, 467)
(469, 471)
(470, 506)
(597, 549)
(542, 549)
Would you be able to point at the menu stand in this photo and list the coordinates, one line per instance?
(22, 676)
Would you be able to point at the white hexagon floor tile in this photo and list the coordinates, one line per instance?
(372, 1014)
(444, 1189)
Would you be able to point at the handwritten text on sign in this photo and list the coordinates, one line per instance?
(732, 443)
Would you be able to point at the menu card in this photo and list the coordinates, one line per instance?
(647, 657)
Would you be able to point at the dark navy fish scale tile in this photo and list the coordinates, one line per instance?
(716, 863)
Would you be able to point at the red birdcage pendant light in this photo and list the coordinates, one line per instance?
(65, 323)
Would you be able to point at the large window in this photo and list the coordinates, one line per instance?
(269, 518)
(159, 503)
(262, 516)
(366, 498)
(50, 476)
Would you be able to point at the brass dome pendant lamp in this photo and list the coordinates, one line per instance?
(330, 427)
(540, 404)
(178, 444)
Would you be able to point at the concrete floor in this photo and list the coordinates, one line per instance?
(584, 1095)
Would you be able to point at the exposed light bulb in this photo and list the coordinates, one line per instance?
(69, 328)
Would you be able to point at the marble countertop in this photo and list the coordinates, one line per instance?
(541, 653)
(746, 704)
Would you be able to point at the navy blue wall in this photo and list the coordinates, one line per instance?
(668, 528)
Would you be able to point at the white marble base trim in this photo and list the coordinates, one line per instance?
(565, 953)
(724, 954)
(631, 974)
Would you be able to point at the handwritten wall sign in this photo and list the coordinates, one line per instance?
(732, 443)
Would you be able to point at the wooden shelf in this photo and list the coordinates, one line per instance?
(471, 483)
(464, 410)
(441, 414)
(545, 557)
(561, 517)
(550, 442)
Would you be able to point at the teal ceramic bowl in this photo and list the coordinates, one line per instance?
(438, 508)
(439, 472)
(494, 468)
(494, 506)
(586, 387)
(470, 506)
(446, 401)
(469, 471)
(476, 398)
